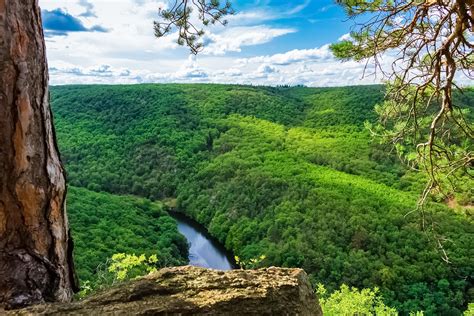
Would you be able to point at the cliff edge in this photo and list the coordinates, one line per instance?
(198, 291)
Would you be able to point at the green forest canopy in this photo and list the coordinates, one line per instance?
(289, 173)
(104, 224)
(420, 117)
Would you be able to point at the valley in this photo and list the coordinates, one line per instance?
(290, 174)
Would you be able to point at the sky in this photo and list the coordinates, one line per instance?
(267, 42)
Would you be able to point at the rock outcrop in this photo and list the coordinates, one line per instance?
(197, 291)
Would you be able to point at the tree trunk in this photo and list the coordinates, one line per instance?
(35, 250)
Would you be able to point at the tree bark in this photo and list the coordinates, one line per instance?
(35, 249)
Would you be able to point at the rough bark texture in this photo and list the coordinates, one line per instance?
(197, 291)
(35, 259)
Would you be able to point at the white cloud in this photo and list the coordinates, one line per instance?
(267, 69)
(312, 67)
(233, 39)
(293, 56)
(299, 7)
(327, 8)
(129, 52)
(190, 70)
(262, 12)
(130, 42)
(88, 7)
(130, 34)
(251, 17)
(345, 37)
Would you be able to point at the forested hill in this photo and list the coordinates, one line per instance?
(288, 173)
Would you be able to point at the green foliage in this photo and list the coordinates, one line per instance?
(343, 50)
(449, 163)
(125, 266)
(86, 289)
(422, 116)
(119, 268)
(103, 225)
(180, 17)
(351, 301)
(470, 310)
(288, 173)
(253, 263)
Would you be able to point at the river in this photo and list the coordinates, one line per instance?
(204, 251)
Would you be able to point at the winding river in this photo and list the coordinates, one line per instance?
(204, 250)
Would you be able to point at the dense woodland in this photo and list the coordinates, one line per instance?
(288, 173)
(106, 224)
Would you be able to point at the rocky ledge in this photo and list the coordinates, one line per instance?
(197, 291)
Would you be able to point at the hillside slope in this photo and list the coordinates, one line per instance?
(289, 173)
(104, 224)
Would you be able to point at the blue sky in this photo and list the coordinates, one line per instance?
(317, 22)
(269, 42)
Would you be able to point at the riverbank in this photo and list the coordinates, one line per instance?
(204, 250)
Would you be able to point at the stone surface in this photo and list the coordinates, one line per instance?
(197, 291)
